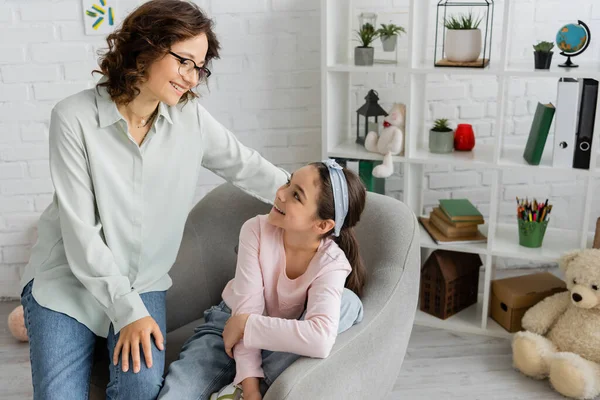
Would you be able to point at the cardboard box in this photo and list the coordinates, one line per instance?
(512, 297)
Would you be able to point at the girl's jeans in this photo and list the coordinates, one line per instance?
(62, 354)
(204, 368)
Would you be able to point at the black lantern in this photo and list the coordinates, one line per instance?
(370, 109)
(465, 33)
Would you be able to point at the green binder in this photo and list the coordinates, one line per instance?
(365, 173)
(538, 133)
(372, 184)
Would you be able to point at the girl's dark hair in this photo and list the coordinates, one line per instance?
(347, 240)
(146, 36)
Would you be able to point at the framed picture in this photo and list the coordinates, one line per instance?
(99, 16)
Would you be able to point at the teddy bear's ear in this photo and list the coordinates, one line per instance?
(567, 258)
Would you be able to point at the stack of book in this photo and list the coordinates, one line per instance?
(454, 221)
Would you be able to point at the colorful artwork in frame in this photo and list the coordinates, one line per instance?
(99, 16)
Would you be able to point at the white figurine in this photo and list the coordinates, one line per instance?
(390, 142)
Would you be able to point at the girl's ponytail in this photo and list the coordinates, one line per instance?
(348, 243)
(357, 195)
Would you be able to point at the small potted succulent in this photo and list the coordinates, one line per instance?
(441, 137)
(363, 54)
(542, 55)
(463, 39)
(389, 35)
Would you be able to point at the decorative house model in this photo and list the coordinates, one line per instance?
(449, 282)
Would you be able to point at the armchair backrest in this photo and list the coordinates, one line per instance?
(207, 257)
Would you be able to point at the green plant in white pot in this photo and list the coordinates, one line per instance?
(363, 54)
(388, 33)
(441, 137)
(463, 38)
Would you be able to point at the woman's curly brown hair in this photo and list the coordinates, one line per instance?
(147, 35)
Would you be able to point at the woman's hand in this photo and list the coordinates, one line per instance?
(234, 332)
(131, 337)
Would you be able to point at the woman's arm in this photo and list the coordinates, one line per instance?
(312, 337)
(89, 257)
(247, 297)
(238, 164)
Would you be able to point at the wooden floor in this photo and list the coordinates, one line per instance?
(439, 365)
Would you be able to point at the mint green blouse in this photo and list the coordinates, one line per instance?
(116, 221)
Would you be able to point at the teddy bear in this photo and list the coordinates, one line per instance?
(561, 337)
(16, 324)
(390, 142)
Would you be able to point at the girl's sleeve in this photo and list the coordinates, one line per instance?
(90, 259)
(247, 297)
(312, 337)
(231, 160)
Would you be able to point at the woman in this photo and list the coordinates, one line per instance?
(124, 161)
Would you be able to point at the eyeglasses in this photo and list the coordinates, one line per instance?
(186, 66)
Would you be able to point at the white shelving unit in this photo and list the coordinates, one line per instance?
(337, 67)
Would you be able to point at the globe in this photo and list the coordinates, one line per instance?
(571, 38)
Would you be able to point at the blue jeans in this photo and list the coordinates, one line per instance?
(62, 354)
(203, 366)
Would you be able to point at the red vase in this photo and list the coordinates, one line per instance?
(464, 137)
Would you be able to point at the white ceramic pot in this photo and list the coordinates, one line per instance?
(463, 45)
(389, 42)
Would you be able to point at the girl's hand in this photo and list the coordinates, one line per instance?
(234, 332)
(253, 396)
(131, 337)
(251, 388)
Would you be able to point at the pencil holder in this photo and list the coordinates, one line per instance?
(531, 233)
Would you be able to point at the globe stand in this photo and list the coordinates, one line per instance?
(568, 63)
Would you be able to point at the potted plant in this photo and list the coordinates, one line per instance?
(389, 35)
(441, 137)
(463, 38)
(542, 55)
(363, 54)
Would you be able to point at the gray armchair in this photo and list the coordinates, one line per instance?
(365, 360)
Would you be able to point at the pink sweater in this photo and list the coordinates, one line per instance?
(262, 288)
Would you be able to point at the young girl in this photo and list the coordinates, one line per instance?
(287, 296)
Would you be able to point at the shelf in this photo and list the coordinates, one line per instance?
(526, 69)
(401, 67)
(490, 153)
(476, 248)
(512, 157)
(466, 321)
(494, 329)
(428, 68)
(514, 69)
(481, 155)
(556, 243)
(352, 150)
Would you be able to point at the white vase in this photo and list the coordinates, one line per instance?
(389, 42)
(463, 45)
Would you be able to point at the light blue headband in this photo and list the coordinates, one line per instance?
(340, 193)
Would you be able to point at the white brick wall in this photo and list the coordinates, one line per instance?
(266, 88)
